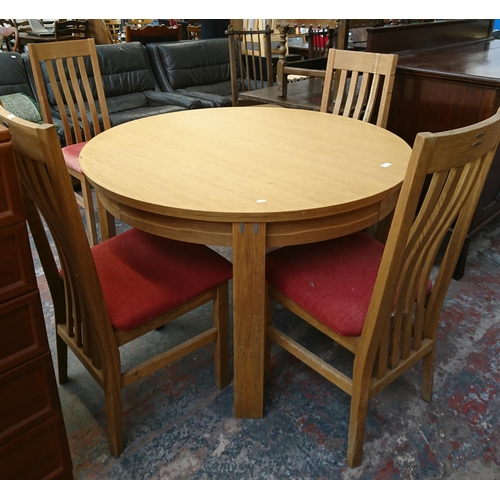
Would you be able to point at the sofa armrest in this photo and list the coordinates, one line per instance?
(156, 98)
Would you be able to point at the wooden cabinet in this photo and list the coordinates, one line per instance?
(33, 441)
(446, 88)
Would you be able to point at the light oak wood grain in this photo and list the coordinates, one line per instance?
(249, 177)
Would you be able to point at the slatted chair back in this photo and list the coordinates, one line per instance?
(152, 34)
(193, 31)
(250, 60)
(402, 315)
(71, 29)
(68, 75)
(114, 28)
(361, 85)
(87, 300)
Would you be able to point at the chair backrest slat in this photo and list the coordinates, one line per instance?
(361, 84)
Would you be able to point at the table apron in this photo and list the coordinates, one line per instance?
(278, 233)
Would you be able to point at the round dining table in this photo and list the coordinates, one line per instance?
(252, 178)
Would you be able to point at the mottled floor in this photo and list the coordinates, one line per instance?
(179, 426)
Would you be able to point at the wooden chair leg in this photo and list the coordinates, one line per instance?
(106, 221)
(428, 376)
(221, 322)
(114, 411)
(357, 424)
(62, 360)
(88, 207)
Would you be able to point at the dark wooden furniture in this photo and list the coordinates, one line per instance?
(26, 38)
(33, 442)
(445, 88)
(303, 94)
(250, 59)
(72, 29)
(152, 34)
(419, 36)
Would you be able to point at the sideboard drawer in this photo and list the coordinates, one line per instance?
(40, 453)
(17, 276)
(22, 330)
(11, 202)
(36, 380)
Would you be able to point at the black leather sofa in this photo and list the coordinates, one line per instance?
(199, 69)
(129, 84)
(13, 75)
(130, 87)
(142, 80)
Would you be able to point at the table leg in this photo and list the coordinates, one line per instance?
(249, 311)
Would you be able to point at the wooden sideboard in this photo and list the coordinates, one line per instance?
(33, 441)
(445, 88)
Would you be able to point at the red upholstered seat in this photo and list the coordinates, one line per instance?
(71, 155)
(332, 280)
(143, 275)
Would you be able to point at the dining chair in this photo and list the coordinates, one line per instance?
(119, 290)
(193, 31)
(250, 61)
(360, 84)
(67, 77)
(115, 29)
(152, 34)
(71, 29)
(9, 38)
(22, 25)
(376, 301)
(290, 71)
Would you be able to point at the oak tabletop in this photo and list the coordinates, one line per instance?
(253, 163)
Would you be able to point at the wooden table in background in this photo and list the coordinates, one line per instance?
(239, 177)
(26, 38)
(302, 94)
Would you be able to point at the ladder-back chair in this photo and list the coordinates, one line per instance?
(360, 83)
(115, 29)
(119, 290)
(378, 302)
(250, 61)
(71, 29)
(67, 77)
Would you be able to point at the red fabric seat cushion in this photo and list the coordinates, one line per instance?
(332, 280)
(143, 276)
(71, 156)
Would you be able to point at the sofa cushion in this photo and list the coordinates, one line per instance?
(13, 75)
(125, 69)
(194, 68)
